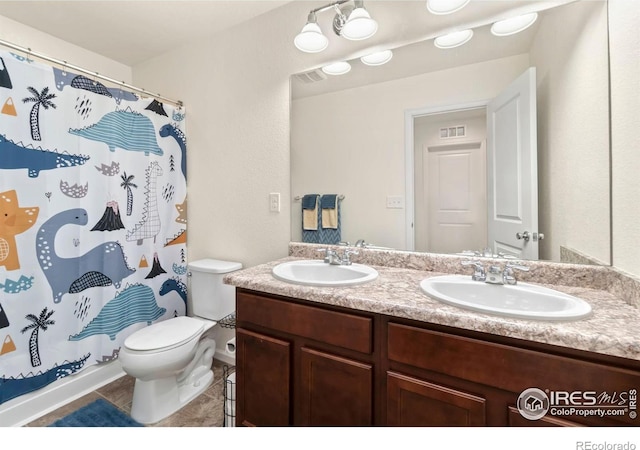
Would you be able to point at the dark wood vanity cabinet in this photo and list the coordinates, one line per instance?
(480, 377)
(307, 364)
(302, 365)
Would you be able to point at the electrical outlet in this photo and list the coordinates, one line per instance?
(395, 202)
(274, 202)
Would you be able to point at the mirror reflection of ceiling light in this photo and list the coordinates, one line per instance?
(440, 7)
(339, 68)
(311, 39)
(378, 58)
(513, 25)
(452, 40)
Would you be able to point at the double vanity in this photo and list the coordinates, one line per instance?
(408, 339)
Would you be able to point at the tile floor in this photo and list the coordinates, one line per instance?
(204, 411)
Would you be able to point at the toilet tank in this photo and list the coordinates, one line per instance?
(208, 297)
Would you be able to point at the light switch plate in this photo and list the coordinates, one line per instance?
(274, 202)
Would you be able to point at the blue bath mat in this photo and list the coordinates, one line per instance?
(99, 413)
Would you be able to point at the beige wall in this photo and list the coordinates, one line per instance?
(570, 54)
(44, 43)
(235, 86)
(237, 101)
(237, 97)
(352, 142)
(624, 22)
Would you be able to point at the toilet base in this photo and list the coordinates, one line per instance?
(156, 399)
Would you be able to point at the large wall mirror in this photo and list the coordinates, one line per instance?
(410, 148)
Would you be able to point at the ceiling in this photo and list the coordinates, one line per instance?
(131, 32)
(408, 29)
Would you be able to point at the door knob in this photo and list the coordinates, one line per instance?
(526, 236)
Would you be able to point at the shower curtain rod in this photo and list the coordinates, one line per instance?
(95, 75)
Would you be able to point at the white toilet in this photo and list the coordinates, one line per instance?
(171, 360)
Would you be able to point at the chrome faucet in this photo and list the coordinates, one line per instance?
(508, 276)
(479, 273)
(332, 257)
(494, 274)
(346, 256)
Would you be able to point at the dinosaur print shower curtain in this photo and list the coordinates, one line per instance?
(92, 221)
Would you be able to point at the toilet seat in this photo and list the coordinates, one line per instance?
(165, 335)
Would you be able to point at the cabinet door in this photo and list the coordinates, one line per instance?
(334, 391)
(413, 402)
(262, 377)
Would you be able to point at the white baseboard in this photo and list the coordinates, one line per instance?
(28, 407)
(225, 357)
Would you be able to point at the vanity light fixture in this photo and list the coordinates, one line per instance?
(377, 58)
(452, 40)
(350, 22)
(359, 25)
(513, 25)
(339, 68)
(311, 39)
(440, 7)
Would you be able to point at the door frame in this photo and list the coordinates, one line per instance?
(409, 160)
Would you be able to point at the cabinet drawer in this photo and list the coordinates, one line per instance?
(335, 328)
(502, 366)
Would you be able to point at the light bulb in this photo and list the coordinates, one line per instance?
(513, 25)
(339, 68)
(454, 39)
(378, 58)
(310, 39)
(440, 7)
(359, 25)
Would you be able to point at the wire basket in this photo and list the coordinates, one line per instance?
(228, 321)
(229, 393)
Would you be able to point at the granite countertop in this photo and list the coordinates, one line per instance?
(611, 329)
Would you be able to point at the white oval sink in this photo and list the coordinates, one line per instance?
(313, 272)
(523, 300)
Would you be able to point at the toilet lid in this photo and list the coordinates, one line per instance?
(168, 333)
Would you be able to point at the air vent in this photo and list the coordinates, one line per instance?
(312, 76)
(453, 132)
